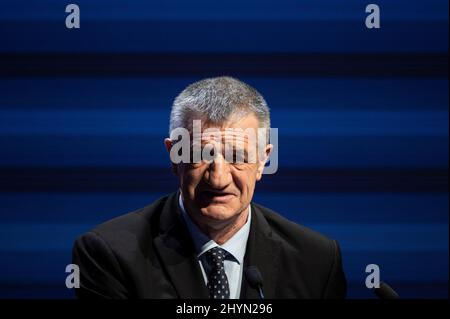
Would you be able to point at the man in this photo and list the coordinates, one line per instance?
(201, 241)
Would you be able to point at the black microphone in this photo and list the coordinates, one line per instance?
(385, 292)
(255, 279)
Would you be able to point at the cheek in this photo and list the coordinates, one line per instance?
(191, 177)
(245, 181)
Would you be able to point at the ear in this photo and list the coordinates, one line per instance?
(262, 162)
(168, 143)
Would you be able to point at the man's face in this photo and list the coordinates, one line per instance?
(216, 191)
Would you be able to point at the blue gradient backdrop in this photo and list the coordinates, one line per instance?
(362, 116)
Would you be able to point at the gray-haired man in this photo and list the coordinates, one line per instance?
(209, 240)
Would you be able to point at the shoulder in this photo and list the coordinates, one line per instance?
(310, 260)
(128, 229)
(296, 237)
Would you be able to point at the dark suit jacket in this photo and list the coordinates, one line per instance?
(149, 253)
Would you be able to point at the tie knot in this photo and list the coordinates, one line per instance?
(216, 255)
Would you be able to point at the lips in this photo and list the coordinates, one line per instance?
(217, 196)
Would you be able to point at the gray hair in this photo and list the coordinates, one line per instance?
(217, 100)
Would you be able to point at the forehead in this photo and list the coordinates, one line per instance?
(243, 128)
(237, 122)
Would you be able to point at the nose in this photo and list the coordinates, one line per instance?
(218, 174)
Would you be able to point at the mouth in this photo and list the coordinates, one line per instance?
(213, 196)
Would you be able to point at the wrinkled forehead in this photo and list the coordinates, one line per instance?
(243, 130)
(239, 129)
(228, 135)
(242, 120)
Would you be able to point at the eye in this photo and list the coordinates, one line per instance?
(239, 157)
(196, 165)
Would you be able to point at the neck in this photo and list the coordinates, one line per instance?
(224, 230)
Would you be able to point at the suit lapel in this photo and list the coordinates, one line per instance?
(177, 252)
(263, 252)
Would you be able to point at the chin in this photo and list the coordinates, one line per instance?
(218, 212)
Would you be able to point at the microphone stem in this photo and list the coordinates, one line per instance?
(261, 295)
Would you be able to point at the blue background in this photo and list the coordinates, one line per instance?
(362, 116)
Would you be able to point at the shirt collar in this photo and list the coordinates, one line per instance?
(236, 245)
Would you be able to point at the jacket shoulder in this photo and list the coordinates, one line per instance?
(131, 226)
(293, 235)
(310, 259)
